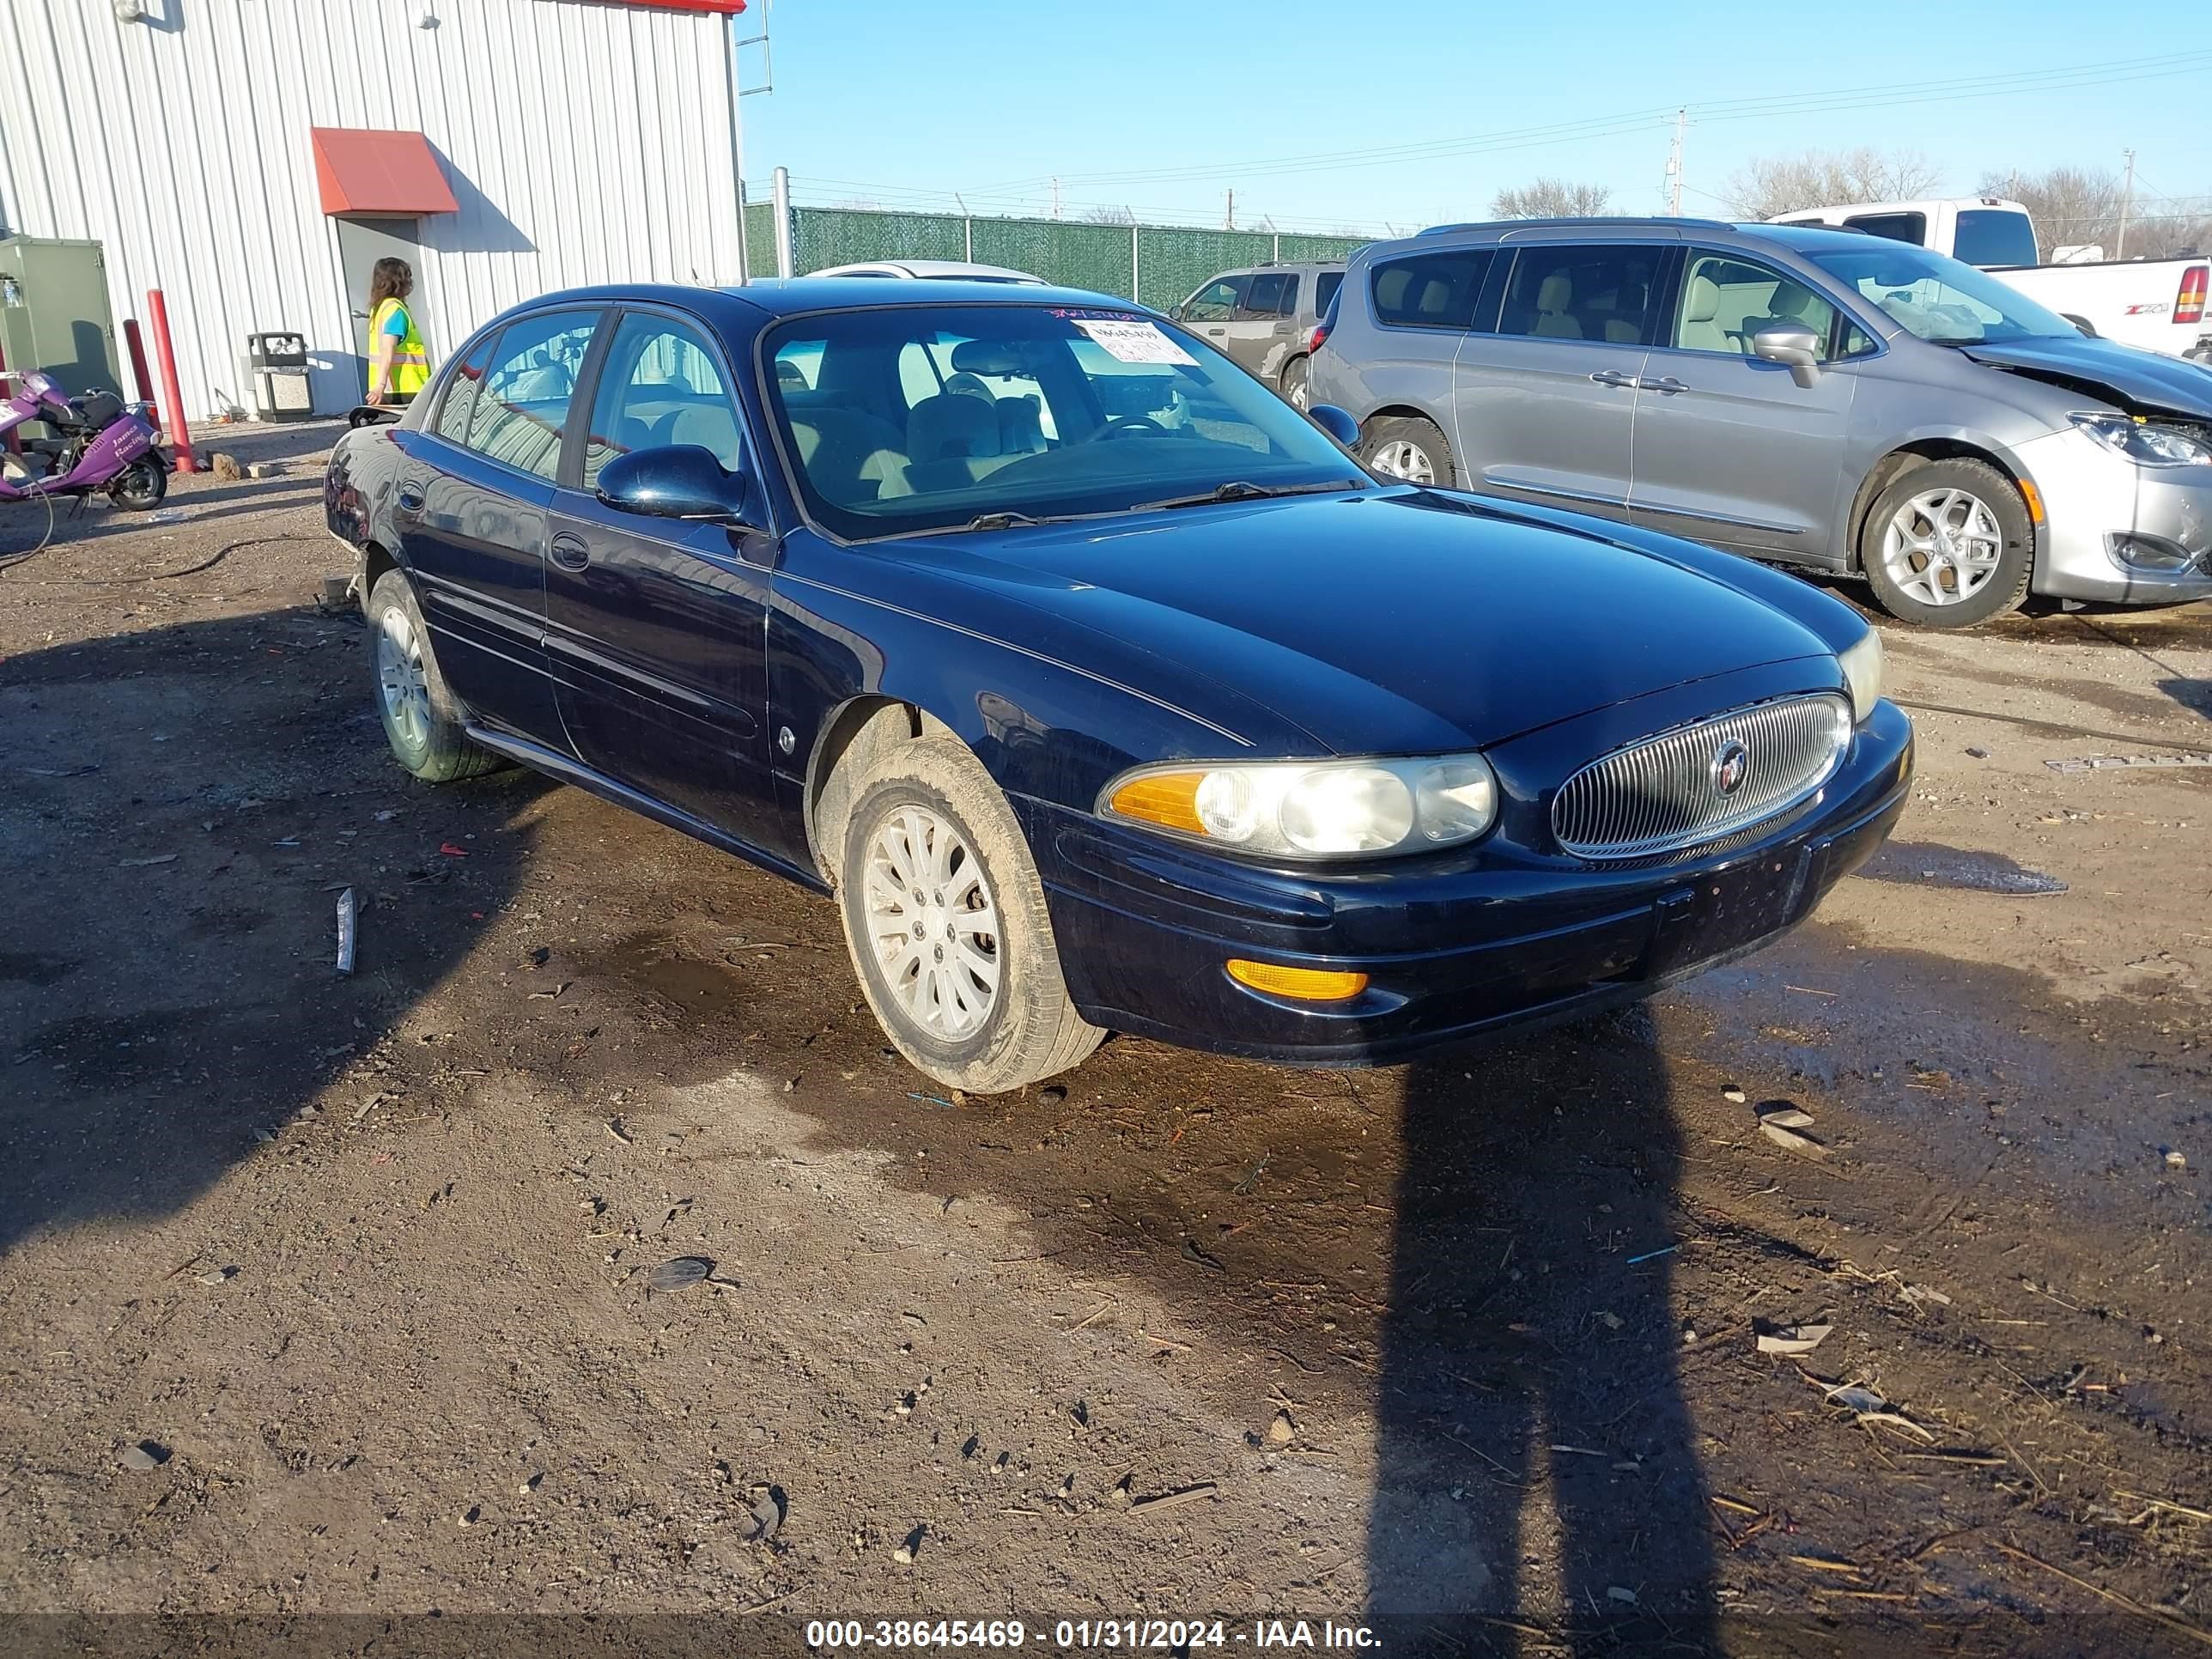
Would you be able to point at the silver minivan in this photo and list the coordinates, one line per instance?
(1822, 398)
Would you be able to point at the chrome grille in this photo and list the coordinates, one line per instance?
(1664, 794)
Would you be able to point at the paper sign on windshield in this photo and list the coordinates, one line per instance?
(1135, 343)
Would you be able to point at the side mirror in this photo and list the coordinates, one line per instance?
(1337, 422)
(675, 480)
(1797, 350)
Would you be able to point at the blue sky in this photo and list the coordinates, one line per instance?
(1162, 107)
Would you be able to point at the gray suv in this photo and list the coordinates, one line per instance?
(1263, 319)
(1822, 398)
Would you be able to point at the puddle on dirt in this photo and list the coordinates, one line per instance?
(654, 963)
(28, 968)
(1924, 863)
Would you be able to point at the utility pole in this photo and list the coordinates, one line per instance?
(1055, 196)
(1674, 165)
(1229, 213)
(2127, 202)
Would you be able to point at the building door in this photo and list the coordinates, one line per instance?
(361, 243)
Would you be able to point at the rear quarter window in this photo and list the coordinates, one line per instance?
(1325, 288)
(1430, 290)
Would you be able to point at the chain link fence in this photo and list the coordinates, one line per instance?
(1157, 266)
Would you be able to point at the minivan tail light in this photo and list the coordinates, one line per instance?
(2189, 301)
(1321, 330)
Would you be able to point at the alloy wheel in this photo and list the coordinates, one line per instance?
(1402, 460)
(1943, 546)
(401, 680)
(932, 923)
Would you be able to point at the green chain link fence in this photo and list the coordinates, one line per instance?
(1157, 265)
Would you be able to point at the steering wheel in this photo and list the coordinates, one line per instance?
(1124, 423)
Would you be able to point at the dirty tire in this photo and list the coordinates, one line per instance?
(140, 486)
(2005, 587)
(425, 727)
(1294, 384)
(1405, 446)
(1000, 1038)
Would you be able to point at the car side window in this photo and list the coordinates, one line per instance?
(1602, 293)
(1273, 294)
(1430, 290)
(1218, 300)
(460, 401)
(660, 384)
(522, 409)
(1727, 300)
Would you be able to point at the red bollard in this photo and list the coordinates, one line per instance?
(138, 361)
(173, 399)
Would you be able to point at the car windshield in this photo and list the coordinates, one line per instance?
(906, 418)
(1939, 298)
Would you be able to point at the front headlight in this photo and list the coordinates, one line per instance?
(1863, 669)
(2145, 444)
(1311, 809)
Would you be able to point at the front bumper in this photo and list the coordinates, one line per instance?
(2097, 504)
(1454, 945)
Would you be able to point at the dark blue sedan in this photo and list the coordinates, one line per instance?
(1100, 687)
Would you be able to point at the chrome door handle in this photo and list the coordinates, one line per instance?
(409, 498)
(571, 552)
(1613, 377)
(1664, 383)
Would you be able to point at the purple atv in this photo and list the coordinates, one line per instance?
(99, 442)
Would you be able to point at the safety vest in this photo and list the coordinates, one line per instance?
(411, 358)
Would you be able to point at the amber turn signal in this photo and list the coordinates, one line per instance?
(1306, 984)
(1167, 799)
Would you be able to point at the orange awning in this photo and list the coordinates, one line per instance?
(365, 170)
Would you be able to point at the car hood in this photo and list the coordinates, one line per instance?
(1393, 622)
(2143, 382)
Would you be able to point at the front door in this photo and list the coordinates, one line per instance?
(1545, 399)
(1260, 333)
(656, 629)
(1729, 448)
(361, 243)
(472, 503)
(1217, 311)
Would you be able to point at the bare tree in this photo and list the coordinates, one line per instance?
(1784, 183)
(1550, 199)
(2080, 207)
(1105, 213)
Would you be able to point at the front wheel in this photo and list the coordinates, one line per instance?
(1406, 448)
(141, 486)
(1949, 544)
(1294, 385)
(944, 915)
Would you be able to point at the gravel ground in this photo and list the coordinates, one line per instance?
(324, 1295)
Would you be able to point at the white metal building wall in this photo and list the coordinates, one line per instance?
(584, 141)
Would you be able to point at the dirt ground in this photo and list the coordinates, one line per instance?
(1466, 1351)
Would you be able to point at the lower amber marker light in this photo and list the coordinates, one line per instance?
(1305, 984)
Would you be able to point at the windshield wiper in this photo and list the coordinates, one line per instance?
(1238, 489)
(1004, 519)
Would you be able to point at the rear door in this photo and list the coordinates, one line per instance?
(1729, 448)
(472, 503)
(1260, 337)
(1545, 394)
(657, 628)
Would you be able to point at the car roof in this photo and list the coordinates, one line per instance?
(1523, 231)
(927, 268)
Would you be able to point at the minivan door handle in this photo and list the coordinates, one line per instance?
(571, 552)
(1613, 377)
(1664, 383)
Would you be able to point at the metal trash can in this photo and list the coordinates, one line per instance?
(278, 365)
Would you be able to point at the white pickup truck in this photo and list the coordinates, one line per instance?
(2156, 304)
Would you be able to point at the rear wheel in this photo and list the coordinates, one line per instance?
(1408, 447)
(1949, 544)
(944, 915)
(140, 486)
(422, 720)
(1294, 384)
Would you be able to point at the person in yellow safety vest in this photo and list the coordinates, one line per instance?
(398, 363)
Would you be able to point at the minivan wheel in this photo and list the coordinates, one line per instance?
(1294, 385)
(945, 916)
(1408, 447)
(422, 720)
(1949, 544)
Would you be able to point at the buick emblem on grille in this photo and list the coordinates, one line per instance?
(1731, 765)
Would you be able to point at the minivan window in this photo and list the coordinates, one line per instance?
(1325, 288)
(1940, 298)
(1727, 300)
(1430, 290)
(1583, 294)
(1897, 226)
(1217, 302)
(1273, 294)
(1994, 236)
